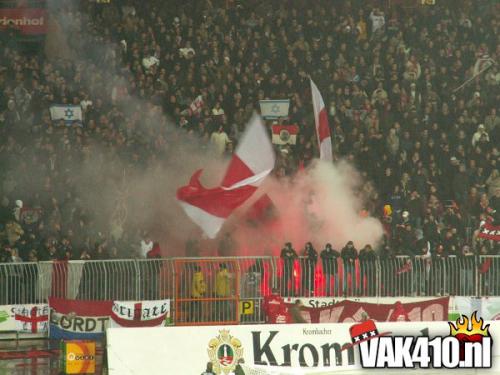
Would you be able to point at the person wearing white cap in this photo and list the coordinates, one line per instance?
(481, 132)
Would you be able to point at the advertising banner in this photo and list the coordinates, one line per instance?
(78, 357)
(28, 21)
(24, 318)
(276, 349)
(351, 311)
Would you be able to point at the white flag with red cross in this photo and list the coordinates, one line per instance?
(32, 318)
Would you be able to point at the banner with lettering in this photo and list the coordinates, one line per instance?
(275, 349)
(29, 21)
(140, 313)
(78, 319)
(29, 318)
(351, 311)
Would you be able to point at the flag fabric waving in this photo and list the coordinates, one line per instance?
(322, 128)
(195, 107)
(252, 161)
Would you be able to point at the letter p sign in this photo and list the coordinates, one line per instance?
(246, 307)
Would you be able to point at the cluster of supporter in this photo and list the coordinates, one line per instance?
(411, 94)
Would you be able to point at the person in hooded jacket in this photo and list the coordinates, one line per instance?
(349, 255)
(308, 266)
(288, 255)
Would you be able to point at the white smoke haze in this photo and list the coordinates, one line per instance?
(124, 197)
(320, 205)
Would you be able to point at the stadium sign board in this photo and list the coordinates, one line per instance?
(294, 346)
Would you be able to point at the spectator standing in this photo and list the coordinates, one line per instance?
(349, 255)
(288, 256)
(223, 293)
(220, 140)
(329, 259)
(198, 290)
(309, 260)
(367, 265)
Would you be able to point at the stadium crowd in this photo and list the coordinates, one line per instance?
(391, 79)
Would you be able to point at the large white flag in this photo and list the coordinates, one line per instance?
(322, 128)
(251, 163)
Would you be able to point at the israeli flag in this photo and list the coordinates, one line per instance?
(71, 114)
(273, 109)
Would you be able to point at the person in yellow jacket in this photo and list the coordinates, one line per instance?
(198, 290)
(223, 290)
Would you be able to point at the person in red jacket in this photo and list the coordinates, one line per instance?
(155, 252)
(275, 309)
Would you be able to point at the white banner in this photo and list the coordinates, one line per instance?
(273, 109)
(24, 318)
(186, 350)
(140, 313)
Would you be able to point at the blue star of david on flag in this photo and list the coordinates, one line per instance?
(273, 109)
(70, 114)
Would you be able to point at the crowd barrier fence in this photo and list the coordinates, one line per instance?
(231, 290)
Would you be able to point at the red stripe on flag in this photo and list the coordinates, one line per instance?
(323, 128)
(138, 323)
(217, 201)
(236, 172)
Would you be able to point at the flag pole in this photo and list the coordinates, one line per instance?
(476, 75)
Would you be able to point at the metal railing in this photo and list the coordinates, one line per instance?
(237, 293)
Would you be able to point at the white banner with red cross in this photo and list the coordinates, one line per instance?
(30, 318)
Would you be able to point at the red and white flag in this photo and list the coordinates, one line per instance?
(195, 107)
(284, 134)
(251, 163)
(490, 231)
(322, 128)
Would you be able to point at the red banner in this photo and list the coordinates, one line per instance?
(350, 311)
(490, 231)
(28, 21)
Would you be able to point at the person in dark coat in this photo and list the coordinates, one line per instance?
(329, 258)
(349, 255)
(308, 266)
(288, 255)
(367, 265)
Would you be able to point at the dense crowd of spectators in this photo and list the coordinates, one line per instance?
(391, 79)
